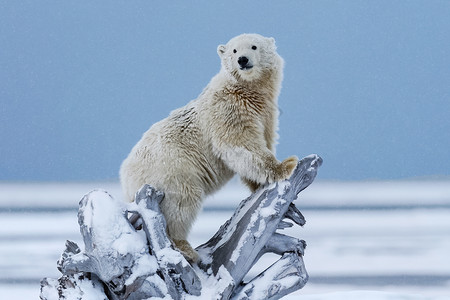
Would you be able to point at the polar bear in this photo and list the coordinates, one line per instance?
(229, 129)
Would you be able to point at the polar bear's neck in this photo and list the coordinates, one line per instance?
(268, 84)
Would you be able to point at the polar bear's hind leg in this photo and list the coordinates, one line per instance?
(180, 209)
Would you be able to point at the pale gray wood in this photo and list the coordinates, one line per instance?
(227, 256)
(238, 243)
(285, 276)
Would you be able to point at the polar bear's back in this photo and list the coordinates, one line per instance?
(172, 156)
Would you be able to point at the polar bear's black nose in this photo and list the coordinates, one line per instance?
(242, 61)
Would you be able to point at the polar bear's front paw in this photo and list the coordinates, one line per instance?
(286, 168)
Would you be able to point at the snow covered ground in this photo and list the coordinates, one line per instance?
(369, 240)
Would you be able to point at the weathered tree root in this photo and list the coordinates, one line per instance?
(128, 255)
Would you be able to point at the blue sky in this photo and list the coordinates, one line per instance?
(366, 83)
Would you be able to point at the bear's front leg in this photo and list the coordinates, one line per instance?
(257, 165)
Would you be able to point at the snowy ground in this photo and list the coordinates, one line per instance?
(372, 240)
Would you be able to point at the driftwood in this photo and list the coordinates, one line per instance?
(128, 255)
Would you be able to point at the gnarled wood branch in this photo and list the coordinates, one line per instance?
(128, 255)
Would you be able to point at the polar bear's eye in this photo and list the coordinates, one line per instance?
(254, 47)
(234, 51)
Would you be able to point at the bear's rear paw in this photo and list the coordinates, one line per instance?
(286, 168)
(186, 249)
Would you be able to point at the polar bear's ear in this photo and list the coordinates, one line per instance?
(271, 40)
(221, 50)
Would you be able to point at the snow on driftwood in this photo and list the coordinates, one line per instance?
(128, 255)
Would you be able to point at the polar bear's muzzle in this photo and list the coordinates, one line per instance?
(244, 63)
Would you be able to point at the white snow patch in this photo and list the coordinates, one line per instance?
(212, 285)
(109, 228)
(83, 289)
(261, 228)
(160, 284)
(146, 264)
(168, 254)
(268, 211)
(283, 186)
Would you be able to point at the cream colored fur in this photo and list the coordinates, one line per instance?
(230, 128)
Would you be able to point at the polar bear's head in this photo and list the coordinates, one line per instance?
(248, 56)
